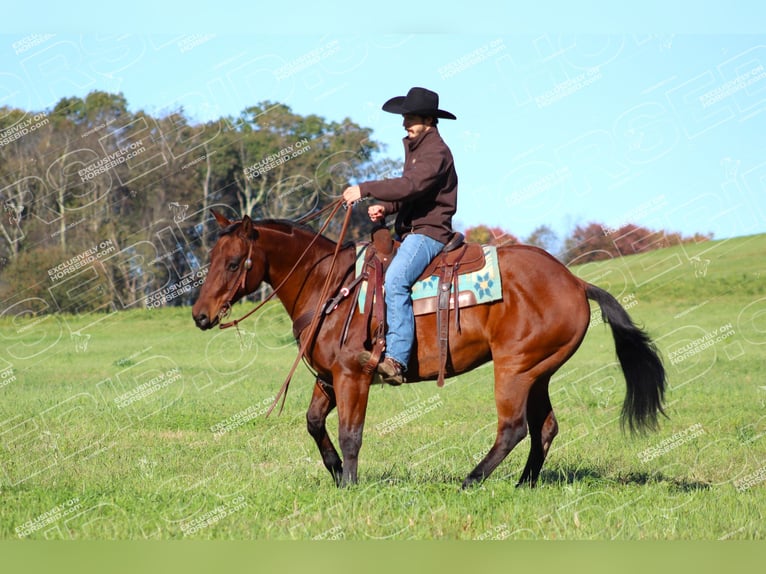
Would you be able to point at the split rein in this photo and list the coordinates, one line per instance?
(241, 280)
(308, 335)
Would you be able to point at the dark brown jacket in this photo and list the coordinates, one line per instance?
(425, 196)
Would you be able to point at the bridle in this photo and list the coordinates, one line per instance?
(237, 285)
(308, 333)
(248, 264)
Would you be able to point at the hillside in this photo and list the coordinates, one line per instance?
(678, 282)
(121, 419)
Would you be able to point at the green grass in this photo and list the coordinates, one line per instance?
(85, 455)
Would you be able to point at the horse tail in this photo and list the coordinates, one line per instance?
(640, 362)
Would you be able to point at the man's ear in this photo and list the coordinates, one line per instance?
(222, 221)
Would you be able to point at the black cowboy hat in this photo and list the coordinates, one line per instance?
(419, 102)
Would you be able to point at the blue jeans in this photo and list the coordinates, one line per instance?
(413, 256)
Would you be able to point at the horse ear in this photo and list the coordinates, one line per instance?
(247, 230)
(222, 221)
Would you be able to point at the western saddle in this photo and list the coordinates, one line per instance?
(456, 258)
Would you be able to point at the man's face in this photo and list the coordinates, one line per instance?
(415, 125)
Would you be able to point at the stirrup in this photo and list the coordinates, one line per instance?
(391, 371)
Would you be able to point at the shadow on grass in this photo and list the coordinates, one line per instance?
(554, 476)
(566, 475)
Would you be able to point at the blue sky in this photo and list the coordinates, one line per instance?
(565, 115)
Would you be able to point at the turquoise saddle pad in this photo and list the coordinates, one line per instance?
(484, 284)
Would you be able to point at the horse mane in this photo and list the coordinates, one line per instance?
(289, 225)
(285, 226)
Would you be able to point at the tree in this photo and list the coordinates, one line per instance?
(99, 174)
(544, 237)
(489, 235)
(94, 174)
(587, 243)
(19, 183)
(596, 242)
(28, 276)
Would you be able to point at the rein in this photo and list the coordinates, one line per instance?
(240, 282)
(310, 331)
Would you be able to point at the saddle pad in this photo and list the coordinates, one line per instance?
(484, 284)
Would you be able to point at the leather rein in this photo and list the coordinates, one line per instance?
(244, 269)
(309, 333)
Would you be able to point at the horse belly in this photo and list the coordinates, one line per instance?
(468, 348)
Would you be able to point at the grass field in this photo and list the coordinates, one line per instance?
(136, 425)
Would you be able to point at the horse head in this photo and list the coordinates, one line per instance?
(237, 267)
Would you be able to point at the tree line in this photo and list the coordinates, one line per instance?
(107, 209)
(104, 208)
(589, 242)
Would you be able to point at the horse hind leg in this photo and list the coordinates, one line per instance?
(543, 428)
(322, 404)
(510, 400)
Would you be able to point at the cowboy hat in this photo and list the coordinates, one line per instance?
(419, 102)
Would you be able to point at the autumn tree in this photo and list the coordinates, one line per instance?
(587, 243)
(543, 237)
(595, 242)
(489, 235)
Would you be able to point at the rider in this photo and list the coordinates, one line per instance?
(424, 199)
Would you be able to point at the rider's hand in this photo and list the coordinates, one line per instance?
(376, 213)
(351, 195)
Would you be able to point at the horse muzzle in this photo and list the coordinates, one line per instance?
(204, 322)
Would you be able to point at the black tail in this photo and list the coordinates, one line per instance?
(640, 362)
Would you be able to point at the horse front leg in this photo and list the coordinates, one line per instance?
(351, 394)
(322, 404)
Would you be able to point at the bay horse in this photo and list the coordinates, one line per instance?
(529, 334)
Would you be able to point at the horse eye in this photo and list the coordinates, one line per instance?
(234, 265)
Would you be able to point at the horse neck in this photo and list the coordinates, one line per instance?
(298, 274)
